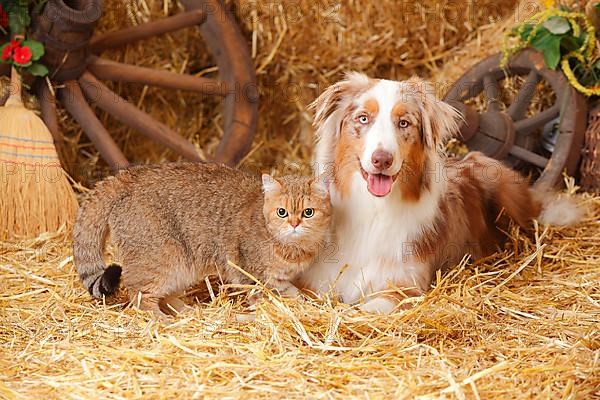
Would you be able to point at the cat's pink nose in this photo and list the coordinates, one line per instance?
(294, 224)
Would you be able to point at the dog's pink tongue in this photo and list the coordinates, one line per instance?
(379, 184)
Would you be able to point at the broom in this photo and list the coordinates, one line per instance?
(35, 194)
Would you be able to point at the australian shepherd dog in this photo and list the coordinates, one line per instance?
(402, 209)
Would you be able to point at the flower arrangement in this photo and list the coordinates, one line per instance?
(22, 53)
(566, 37)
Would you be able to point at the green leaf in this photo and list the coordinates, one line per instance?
(1, 49)
(571, 43)
(557, 25)
(541, 35)
(552, 55)
(18, 20)
(38, 69)
(39, 7)
(37, 49)
(549, 45)
(526, 31)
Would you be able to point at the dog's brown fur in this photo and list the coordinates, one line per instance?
(175, 224)
(454, 207)
(480, 191)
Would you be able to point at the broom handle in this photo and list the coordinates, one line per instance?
(16, 84)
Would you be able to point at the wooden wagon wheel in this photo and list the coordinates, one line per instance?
(72, 55)
(504, 132)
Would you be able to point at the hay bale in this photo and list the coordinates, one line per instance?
(520, 324)
(299, 48)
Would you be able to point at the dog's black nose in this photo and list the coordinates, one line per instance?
(382, 159)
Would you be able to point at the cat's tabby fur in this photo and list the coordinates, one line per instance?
(174, 224)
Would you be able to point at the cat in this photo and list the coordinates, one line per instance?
(175, 224)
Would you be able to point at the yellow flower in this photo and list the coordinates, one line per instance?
(588, 91)
(548, 3)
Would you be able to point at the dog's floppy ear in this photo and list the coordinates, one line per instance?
(329, 108)
(440, 120)
(321, 184)
(334, 97)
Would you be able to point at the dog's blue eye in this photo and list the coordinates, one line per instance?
(308, 212)
(403, 123)
(363, 119)
(282, 213)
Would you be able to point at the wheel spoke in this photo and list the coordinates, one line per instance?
(48, 111)
(240, 108)
(132, 116)
(75, 103)
(130, 35)
(492, 93)
(529, 125)
(529, 156)
(114, 71)
(522, 99)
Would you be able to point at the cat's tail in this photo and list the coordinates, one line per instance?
(89, 239)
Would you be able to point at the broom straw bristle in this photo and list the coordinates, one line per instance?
(36, 195)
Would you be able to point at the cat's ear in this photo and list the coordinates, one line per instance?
(270, 184)
(321, 184)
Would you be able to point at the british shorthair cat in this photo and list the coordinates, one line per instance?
(175, 224)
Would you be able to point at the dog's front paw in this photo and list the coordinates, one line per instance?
(379, 305)
(244, 318)
(290, 291)
(286, 289)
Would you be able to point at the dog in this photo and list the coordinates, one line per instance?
(401, 208)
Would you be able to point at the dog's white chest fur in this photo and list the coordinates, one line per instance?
(372, 243)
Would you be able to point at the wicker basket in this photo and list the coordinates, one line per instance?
(590, 162)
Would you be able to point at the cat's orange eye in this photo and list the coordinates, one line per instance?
(308, 212)
(282, 213)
